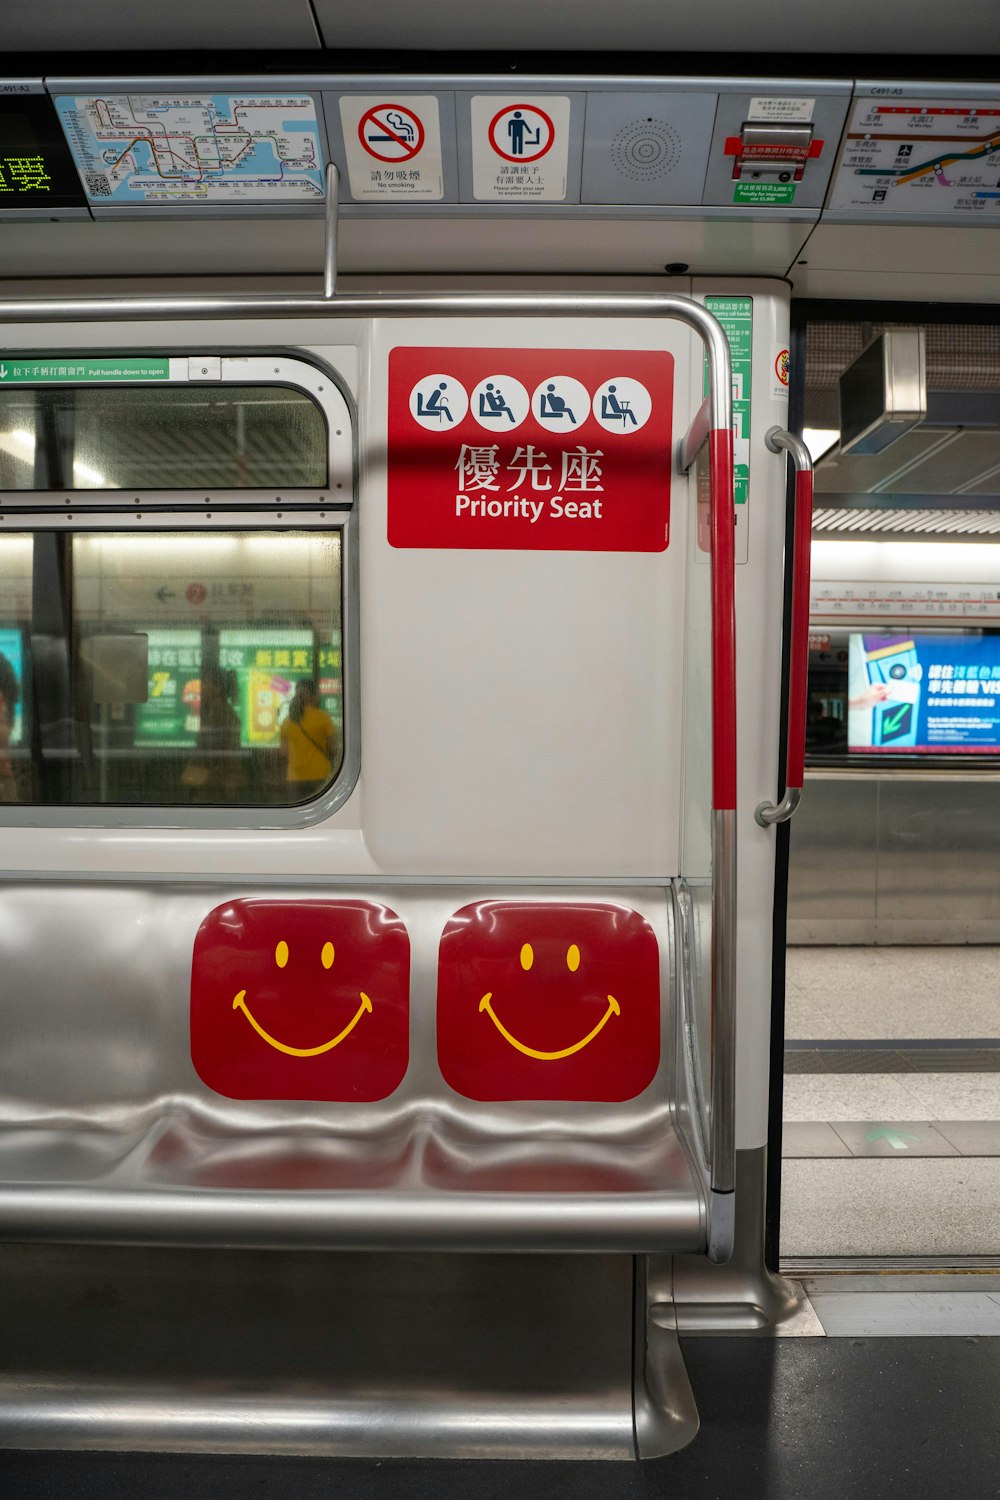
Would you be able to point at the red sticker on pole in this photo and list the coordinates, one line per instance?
(530, 449)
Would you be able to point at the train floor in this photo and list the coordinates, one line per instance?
(891, 1143)
(782, 1419)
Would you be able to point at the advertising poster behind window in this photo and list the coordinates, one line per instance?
(12, 647)
(924, 694)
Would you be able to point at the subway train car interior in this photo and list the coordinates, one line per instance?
(499, 750)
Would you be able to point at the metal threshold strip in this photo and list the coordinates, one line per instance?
(918, 1298)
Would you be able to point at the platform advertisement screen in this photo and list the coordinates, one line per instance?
(169, 717)
(924, 693)
(268, 662)
(12, 648)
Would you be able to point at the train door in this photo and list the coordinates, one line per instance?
(891, 1102)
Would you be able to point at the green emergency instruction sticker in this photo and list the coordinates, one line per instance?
(736, 316)
(81, 371)
(764, 192)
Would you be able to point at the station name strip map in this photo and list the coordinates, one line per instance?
(134, 149)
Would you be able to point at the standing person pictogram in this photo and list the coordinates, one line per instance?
(521, 134)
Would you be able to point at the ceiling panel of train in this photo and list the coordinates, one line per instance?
(898, 27)
(176, 26)
(808, 177)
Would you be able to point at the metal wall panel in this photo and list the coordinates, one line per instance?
(834, 860)
(896, 858)
(245, 1352)
(939, 852)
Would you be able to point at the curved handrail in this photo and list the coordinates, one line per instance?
(720, 436)
(767, 813)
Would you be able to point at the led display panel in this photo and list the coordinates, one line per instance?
(36, 168)
(924, 693)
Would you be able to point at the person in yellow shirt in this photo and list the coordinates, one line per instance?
(308, 742)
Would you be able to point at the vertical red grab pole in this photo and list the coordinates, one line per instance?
(799, 669)
(722, 522)
(768, 813)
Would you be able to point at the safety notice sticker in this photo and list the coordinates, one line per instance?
(520, 147)
(393, 147)
(530, 449)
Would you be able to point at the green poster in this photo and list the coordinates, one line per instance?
(736, 316)
(268, 663)
(81, 371)
(764, 192)
(170, 715)
(330, 679)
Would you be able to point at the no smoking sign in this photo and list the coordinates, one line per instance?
(392, 147)
(389, 132)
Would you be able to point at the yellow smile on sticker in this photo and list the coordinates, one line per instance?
(240, 1004)
(281, 956)
(614, 1009)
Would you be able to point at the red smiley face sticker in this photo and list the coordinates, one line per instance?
(301, 1000)
(545, 1001)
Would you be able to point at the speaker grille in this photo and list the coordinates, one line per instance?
(646, 149)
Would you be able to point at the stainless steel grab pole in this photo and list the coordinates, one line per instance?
(330, 241)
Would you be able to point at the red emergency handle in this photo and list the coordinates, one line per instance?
(798, 656)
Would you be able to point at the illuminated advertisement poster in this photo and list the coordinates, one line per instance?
(924, 693)
(329, 679)
(170, 716)
(268, 664)
(12, 647)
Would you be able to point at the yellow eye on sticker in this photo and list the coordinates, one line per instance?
(281, 954)
(527, 956)
(572, 958)
(327, 955)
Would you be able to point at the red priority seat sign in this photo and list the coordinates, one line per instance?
(530, 449)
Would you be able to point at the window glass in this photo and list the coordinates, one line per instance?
(158, 438)
(18, 439)
(172, 668)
